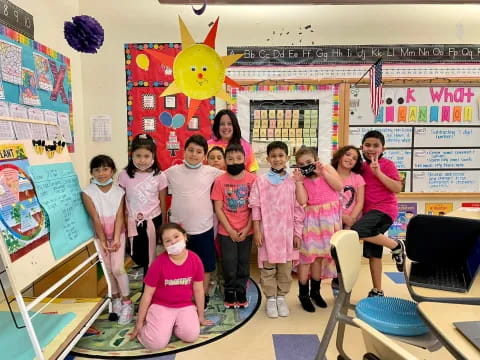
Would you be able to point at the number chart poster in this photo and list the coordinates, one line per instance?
(431, 133)
(163, 118)
(35, 77)
(23, 222)
(59, 193)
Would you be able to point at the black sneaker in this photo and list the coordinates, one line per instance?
(242, 301)
(398, 256)
(229, 299)
(375, 292)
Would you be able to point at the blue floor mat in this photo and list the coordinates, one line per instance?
(396, 277)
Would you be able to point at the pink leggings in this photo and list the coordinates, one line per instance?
(160, 322)
(114, 262)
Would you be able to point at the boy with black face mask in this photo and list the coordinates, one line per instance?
(230, 194)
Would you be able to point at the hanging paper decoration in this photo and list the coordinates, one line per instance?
(201, 10)
(84, 34)
(142, 62)
(198, 70)
(175, 122)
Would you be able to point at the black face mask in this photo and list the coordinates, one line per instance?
(235, 169)
(307, 170)
(368, 160)
(277, 171)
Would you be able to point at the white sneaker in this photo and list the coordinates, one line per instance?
(117, 306)
(271, 308)
(126, 314)
(282, 306)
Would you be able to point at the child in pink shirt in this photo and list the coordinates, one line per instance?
(166, 306)
(230, 194)
(277, 225)
(380, 208)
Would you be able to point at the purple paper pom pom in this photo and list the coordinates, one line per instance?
(84, 34)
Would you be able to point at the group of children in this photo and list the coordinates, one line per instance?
(289, 217)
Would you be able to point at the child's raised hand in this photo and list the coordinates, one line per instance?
(297, 175)
(258, 238)
(374, 164)
(319, 167)
(296, 242)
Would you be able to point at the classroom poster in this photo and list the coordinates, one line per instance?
(163, 118)
(438, 208)
(59, 193)
(406, 211)
(23, 222)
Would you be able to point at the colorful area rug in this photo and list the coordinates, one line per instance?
(108, 340)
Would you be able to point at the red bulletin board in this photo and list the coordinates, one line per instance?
(148, 112)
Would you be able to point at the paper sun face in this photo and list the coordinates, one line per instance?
(198, 70)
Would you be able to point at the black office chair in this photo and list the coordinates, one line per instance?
(443, 238)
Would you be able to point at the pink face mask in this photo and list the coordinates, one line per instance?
(143, 168)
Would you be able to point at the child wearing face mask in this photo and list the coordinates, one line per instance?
(173, 279)
(230, 194)
(318, 188)
(104, 202)
(190, 184)
(145, 193)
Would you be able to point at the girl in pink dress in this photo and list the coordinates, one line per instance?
(318, 187)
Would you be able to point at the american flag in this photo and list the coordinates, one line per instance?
(376, 87)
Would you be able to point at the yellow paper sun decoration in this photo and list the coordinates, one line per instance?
(198, 70)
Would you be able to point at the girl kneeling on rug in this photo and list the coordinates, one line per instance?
(166, 305)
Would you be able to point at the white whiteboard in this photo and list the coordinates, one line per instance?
(446, 159)
(431, 133)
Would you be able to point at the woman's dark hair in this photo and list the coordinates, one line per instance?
(102, 160)
(142, 141)
(342, 151)
(170, 226)
(216, 148)
(237, 133)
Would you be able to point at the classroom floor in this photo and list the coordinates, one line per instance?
(255, 340)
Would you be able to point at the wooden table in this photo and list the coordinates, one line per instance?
(440, 317)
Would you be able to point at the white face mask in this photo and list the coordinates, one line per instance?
(143, 168)
(176, 248)
(190, 166)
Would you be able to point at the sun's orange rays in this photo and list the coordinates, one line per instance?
(212, 35)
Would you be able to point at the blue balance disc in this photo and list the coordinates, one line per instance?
(391, 315)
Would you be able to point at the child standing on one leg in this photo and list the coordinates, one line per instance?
(145, 194)
(191, 185)
(104, 201)
(166, 306)
(348, 163)
(230, 194)
(380, 207)
(277, 225)
(318, 186)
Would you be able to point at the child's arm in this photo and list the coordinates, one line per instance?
(300, 191)
(162, 195)
(298, 217)
(97, 225)
(349, 220)
(119, 223)
(331, 176)
(224, 221)
(143, 309)
(391, 184)
(254, 204)
(199, 297)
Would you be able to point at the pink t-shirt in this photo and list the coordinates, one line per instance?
(319, 192)
(141, 193)
(377, 195)
(250, 162)
(234, 193)
(350, 192)
(191, 204)
(174, 283)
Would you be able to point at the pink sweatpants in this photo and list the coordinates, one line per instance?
(160, 322)
(114, 262)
